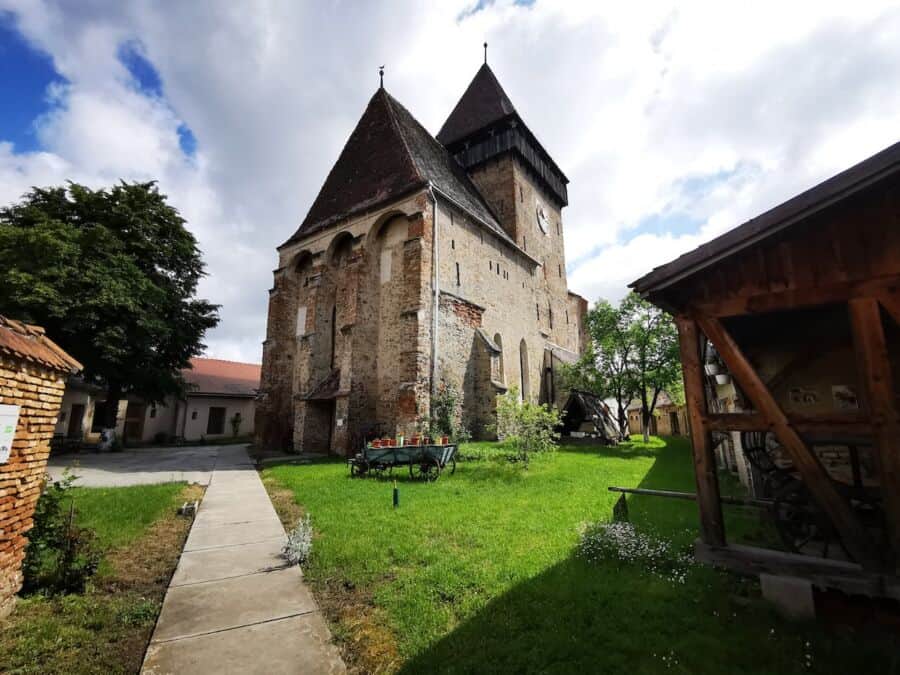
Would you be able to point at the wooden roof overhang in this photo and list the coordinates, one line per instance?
(835, 245)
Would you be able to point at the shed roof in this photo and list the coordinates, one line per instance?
(791, 212)
(389, 154)
(28, 342)
(227, 378)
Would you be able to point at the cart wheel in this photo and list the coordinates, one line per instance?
(358, 469)
(799, 522)
(426, 468)
(452, 464)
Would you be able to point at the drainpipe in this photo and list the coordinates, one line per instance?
(435, 307)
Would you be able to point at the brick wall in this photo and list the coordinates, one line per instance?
(39, 391)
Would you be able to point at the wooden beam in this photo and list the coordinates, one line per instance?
(819, 427)
(799, 297)
(688, 496)
(815, 477)
(712, 525)
(878, 396)
(844, 576)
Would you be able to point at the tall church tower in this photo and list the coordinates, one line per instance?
(514, 173)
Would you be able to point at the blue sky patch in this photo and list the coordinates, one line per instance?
(147, 79)
(25, 74)
(187, 140)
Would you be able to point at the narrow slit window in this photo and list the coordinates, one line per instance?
(457, 274)
(537, 309)
(559, 265)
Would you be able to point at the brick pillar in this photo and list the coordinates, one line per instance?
(34, 381)
(413, 398)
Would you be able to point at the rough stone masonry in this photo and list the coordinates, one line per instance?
(33, 372)
(423, 260)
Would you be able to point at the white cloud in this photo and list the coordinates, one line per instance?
(639, 103)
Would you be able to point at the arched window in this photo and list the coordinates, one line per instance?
(501, 373)
(340, 249)
(524, 379)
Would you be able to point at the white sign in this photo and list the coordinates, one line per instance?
(9, 418)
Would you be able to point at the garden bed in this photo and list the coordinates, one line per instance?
(106, 629)
(482, 572)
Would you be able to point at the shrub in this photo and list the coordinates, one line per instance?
(621, 542)
(446, 415)
(528, 427)
(236, 421)
(298, 546)
(61, 556)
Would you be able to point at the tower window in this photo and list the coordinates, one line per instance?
(567, 317)
(521, 194)
(559, 265)
(537, 308)
(453, 244)
(491, 265)
(550, 314)
(557, 228)
(457, 274)
(524, 243)
(498, 268)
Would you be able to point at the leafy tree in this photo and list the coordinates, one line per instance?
(633, 354)
(605, 369)
(655, 360)
(111, 274)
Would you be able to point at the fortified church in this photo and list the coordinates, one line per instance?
(423, 260)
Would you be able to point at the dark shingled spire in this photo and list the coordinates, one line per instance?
(483, 103)
(388, 155)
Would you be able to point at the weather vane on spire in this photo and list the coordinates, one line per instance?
(381, 76)
(485, 53)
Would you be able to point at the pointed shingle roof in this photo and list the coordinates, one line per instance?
(483, 103)
(390, 154)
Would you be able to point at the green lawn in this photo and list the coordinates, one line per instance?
(119, 515)
(106, 629)
(477, 573)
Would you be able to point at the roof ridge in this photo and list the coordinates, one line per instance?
(390, 101)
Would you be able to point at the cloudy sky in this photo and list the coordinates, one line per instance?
(673, 121)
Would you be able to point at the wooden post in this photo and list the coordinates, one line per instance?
(712, 525)
(879, 399)
(815, 477)
(891, 304)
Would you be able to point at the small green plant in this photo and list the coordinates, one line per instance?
(61, 557)
(298, 547)
(528, 427)
(236, 423)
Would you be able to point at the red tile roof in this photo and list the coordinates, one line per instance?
(215, 376)
(28, 342)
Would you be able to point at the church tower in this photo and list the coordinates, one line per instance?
(514, 173)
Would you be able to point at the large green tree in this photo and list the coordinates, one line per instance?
(112, 275)
(633, 354)
(605, 368)
(656, 362)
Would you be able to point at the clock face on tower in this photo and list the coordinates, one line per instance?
(541, 216)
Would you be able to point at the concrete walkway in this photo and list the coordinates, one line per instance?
(233, 605)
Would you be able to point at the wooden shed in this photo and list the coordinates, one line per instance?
(800, 309)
